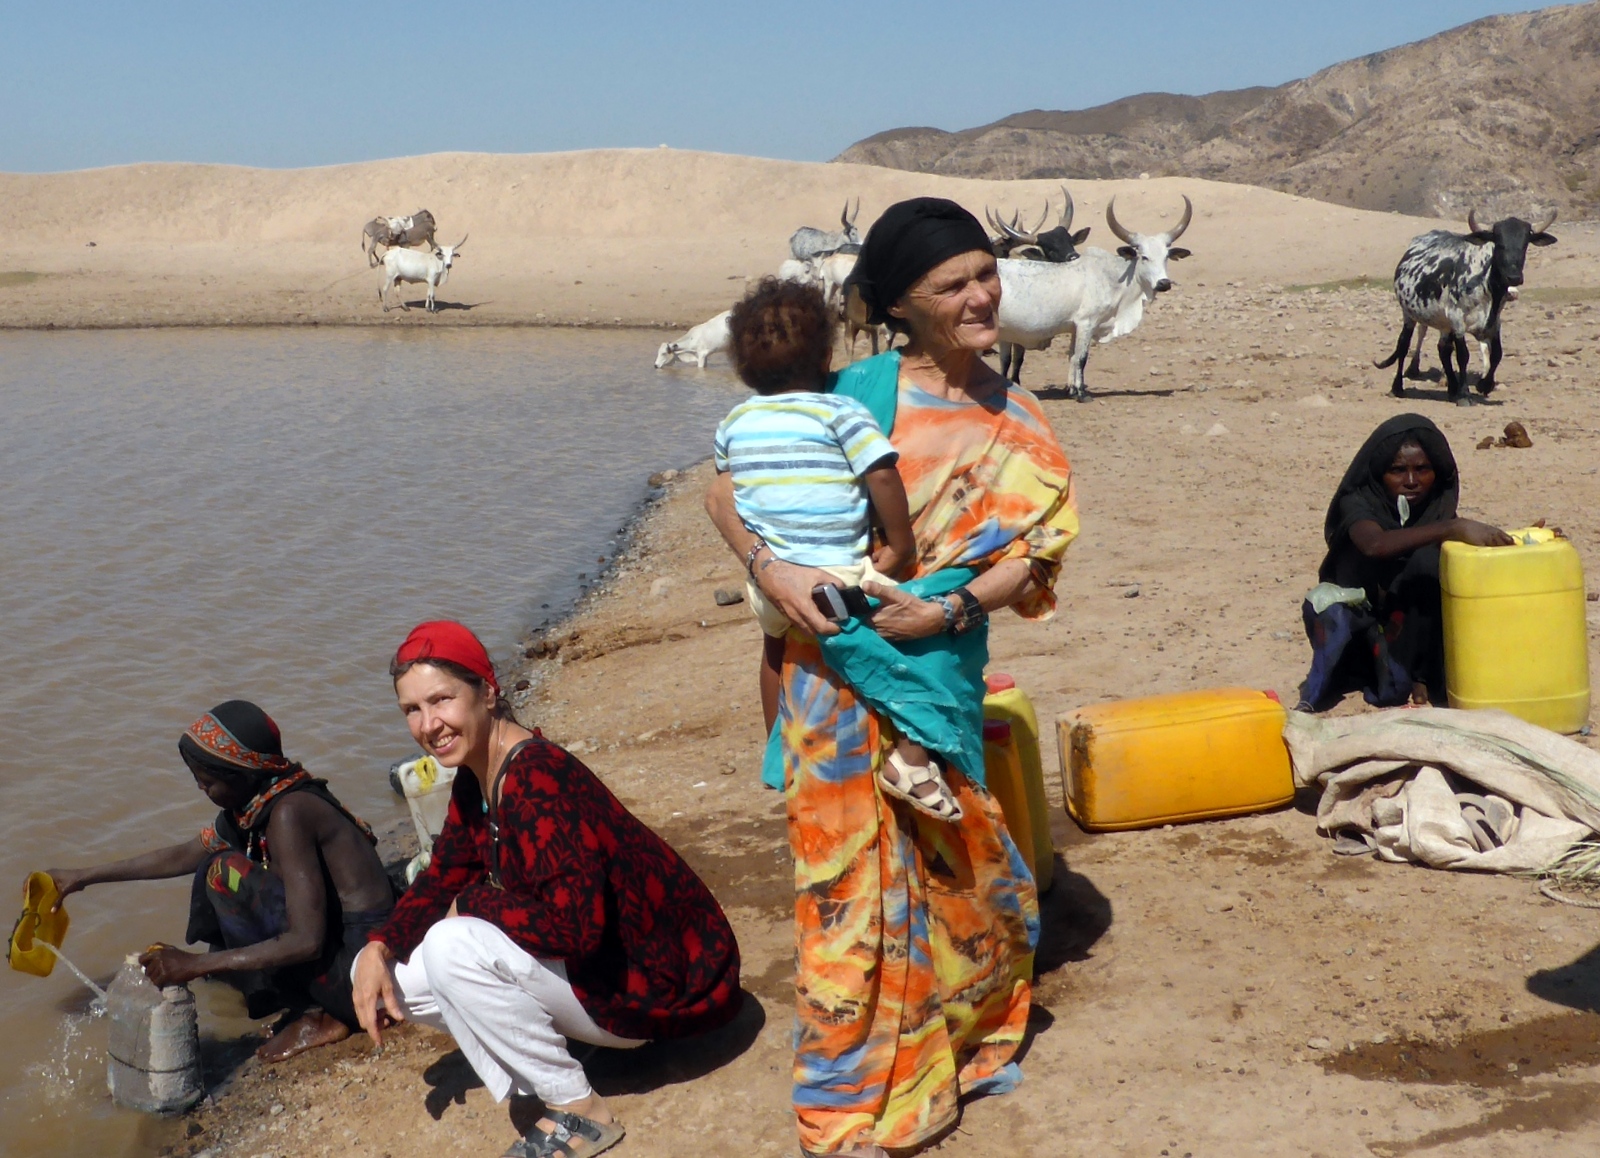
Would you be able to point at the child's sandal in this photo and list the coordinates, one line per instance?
(901, 779)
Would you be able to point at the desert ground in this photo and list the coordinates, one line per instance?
(614, 237)
(1212, 989)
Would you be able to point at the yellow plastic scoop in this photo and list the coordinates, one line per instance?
(38, 929)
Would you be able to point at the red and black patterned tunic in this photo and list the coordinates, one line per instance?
(648, 950)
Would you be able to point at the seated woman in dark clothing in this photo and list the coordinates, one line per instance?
(1374, 619)
(287, 883)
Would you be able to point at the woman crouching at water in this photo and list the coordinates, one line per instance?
(1374, 619)
(548, 912)
(287, 883)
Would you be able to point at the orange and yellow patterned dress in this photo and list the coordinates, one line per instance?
(915, 937)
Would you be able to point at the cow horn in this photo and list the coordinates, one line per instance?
(1067, 210)
(1116, 226)
(1188, 215)
(1015, 234)
(1042, 218)
(856, 214)
(1472, 221)
(1548, 222)
(456, 248)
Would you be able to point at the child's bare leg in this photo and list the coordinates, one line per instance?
(771, 677)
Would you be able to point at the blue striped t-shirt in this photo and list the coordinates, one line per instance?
(797, 461)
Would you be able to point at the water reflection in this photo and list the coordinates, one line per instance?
(194, 516)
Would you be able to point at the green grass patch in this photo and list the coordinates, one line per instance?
(1364, 282)
(1561, 295)
(11, 277)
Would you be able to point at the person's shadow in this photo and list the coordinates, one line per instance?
(1576, 985)
(1073, 916)
(619, 1071)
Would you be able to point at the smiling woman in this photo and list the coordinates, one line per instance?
(915, 936)
(542, 916)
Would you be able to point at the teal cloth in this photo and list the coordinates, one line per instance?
(930, 689)
(875, 383)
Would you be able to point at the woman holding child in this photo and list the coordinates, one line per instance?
(915, 933)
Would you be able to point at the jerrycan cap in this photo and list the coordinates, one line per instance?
(996, 732)
(1271, 695)
(998, 682)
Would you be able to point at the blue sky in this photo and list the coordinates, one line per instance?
(290, 84)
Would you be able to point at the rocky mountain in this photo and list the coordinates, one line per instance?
(1503, 113)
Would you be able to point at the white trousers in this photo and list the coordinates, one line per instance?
(511, 1013)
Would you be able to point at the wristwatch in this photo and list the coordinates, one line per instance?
(963, 612)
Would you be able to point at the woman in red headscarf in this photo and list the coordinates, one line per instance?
(548, 912)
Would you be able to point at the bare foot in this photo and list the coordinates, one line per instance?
(593, 1107)
(306, 1032)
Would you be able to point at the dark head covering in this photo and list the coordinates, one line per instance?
(1362, 495)
(906, 242)
(236, 741)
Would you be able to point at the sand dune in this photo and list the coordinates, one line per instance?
(651, 236)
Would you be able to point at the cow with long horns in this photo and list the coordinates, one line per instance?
(1099, 297)
(410, 265)
(1058, 244)
(1458, 284)
(808, 244)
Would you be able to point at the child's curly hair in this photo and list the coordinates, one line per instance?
(781, 333)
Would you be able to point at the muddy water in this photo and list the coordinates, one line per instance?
(194, 516)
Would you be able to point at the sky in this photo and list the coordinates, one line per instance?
(294, 84)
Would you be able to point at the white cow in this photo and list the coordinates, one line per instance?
(834, 269)
(410, 265)
(708, 338)
(799, 272)
(1098, 297)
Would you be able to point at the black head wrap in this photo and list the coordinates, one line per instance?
(906, 242)
(236, 741)
(1362, 495)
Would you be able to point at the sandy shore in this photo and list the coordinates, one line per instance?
(1184, 973)
(610, 237)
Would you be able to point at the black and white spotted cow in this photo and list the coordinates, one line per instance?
(1457, 283)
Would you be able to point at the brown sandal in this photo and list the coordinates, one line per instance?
(574, 1137)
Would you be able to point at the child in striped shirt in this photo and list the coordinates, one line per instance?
(810, 469)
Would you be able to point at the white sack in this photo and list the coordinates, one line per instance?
(1382, 776)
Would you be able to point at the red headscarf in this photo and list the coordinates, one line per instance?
(448, 640)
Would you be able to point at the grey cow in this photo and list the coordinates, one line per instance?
(1458, 283)
(396, 233)
(808, 243)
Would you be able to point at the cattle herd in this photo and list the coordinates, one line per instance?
(1455, 283)
(402, 263)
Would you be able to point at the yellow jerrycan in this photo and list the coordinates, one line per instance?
(1005, 701)
(37, 927)
(1515, 630)
(1168, 759)
(1002, 769)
